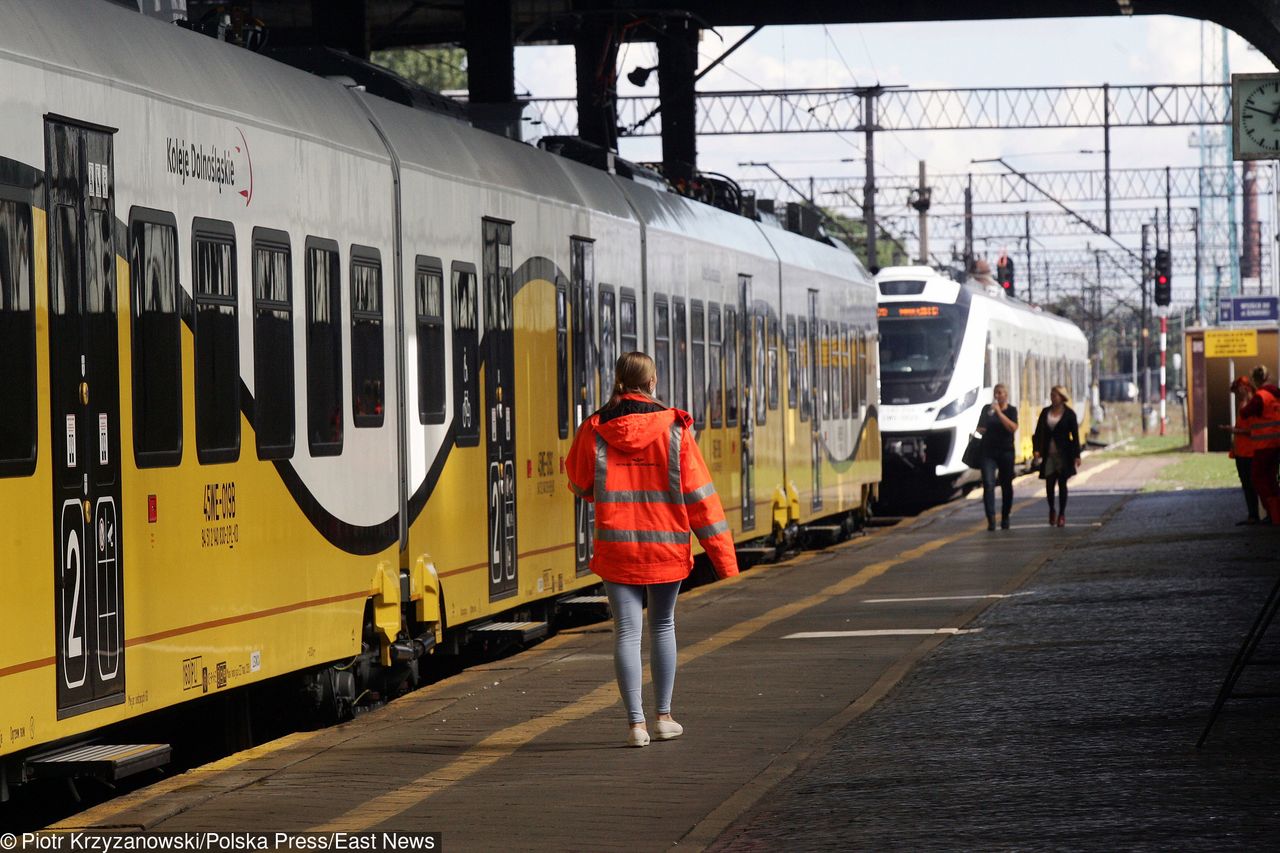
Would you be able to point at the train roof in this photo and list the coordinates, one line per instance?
(133, 52)
(91, 40)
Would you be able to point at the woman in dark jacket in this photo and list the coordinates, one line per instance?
(1057, 444)
(997, 423)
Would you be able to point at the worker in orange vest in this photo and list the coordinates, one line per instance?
(1242, 446)
(1264, 434)
(639, 463)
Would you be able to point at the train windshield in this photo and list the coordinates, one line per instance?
(918, 348)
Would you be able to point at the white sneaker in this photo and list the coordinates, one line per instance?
(667, 729)
(638, 737)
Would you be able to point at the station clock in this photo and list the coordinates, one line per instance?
(1255, 110)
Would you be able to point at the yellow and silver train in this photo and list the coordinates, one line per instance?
(288, 374)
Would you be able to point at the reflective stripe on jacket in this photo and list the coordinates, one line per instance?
(1265, 431)
(651, 489)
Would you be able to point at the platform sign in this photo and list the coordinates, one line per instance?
(1230, 343)
(1249, 309)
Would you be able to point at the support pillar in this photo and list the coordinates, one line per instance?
(491, 67)
(344, 26)
(595, 49)
(677, 67)
(870, 97)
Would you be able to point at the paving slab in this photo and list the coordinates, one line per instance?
(1069, 721)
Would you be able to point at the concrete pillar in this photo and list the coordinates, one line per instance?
(343, 25)
(491, 67)
(677, 66)
(596, 51)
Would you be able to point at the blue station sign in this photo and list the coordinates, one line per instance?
(1249, 309)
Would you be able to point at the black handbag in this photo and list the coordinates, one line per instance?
(973, 453)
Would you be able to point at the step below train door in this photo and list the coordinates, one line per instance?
(84, 389)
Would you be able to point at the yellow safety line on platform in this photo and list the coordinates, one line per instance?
(1089, 473)
(1030, 477)
(503, 743)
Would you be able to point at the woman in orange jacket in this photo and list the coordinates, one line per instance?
(1242, 446)
(1264, 435)
(638, 462)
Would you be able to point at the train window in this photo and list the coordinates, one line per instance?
(17, 341)
(157, 342)
(608, 337)
(793, 366)
(324, 347)
(428, 289)
(582, 317)
(216, 342)
(759, 392)
(828, 364)
(772, 339)
(367, 397)
(697, 316)
(833, 367)
(715, 395)
(846, 370)
(662, 346)
(627, 335)
(857, 359)
(730, 366)
(680, 355)
(273, 420)
(987, 379)
(466, 346)
(803, 373)
(562, 356)
(860, 370)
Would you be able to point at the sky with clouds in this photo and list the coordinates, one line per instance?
(1048, 52)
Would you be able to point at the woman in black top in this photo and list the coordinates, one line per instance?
(997, 423)
(1057, 442)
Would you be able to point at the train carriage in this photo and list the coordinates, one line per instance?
(288, 373)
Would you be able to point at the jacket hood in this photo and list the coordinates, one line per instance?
(632, 432)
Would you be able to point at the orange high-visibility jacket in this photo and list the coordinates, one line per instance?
(1265, 431)
(1242, 442)
(650, 487)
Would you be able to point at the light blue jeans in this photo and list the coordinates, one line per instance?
(627, 602)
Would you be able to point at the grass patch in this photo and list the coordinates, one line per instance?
(1196, 471)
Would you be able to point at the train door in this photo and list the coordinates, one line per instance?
(499, 386)
(815, 383)
(581, 300)
(84, 390)
(749, 396)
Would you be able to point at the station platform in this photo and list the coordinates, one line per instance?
(931, 686)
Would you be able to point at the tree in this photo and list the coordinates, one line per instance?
(888, 253)
(435, 68)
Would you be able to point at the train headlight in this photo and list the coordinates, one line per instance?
(958, 405)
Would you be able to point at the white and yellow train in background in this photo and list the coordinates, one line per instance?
(288, 373)
(944, 346)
